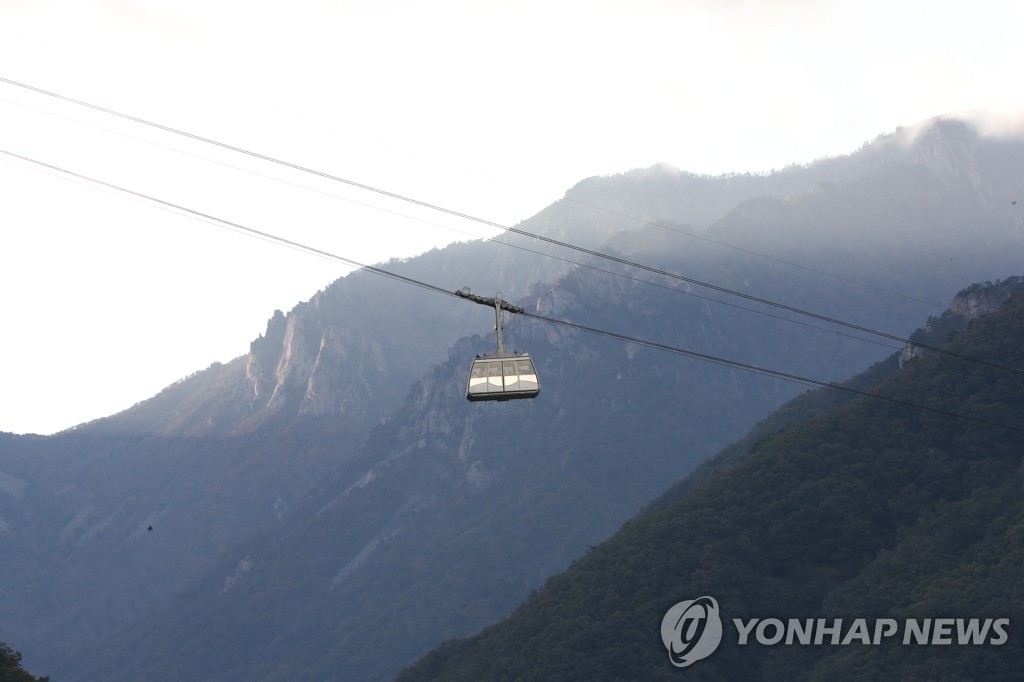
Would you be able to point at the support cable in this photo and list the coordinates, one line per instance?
(206, 217)
(491, 223)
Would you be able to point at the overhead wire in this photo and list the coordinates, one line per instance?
(769, 372)
(489, 223)
(495, 239)
(269, 236)
(250, 171)
(207, 217)
(69, 175)
(513, 230)
(750, 252)
(578, 202)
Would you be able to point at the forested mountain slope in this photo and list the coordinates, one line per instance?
(452, 513)
(873, 509)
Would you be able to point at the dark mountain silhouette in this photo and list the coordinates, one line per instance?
(328, 505)
(858, 508)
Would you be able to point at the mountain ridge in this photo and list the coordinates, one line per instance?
(938, 145)
(214, 469)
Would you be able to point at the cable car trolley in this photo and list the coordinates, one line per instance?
(501, 375)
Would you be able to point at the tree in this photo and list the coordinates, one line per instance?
(10, 667)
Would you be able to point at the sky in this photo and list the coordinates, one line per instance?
(493, 109)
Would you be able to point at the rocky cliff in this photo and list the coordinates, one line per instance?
(982, 299)
(969, 304)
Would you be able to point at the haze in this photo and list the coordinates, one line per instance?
(490, 109)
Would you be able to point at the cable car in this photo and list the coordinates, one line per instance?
(501, 375)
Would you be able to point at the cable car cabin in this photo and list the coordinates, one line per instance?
(502, 377)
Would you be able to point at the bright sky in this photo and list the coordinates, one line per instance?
(489, 108)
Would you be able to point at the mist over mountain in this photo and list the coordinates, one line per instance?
(328, 506)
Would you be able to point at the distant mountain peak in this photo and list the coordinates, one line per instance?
(946, 147)
(951, 133)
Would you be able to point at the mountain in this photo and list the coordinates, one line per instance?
(861, 509)
(323, 485)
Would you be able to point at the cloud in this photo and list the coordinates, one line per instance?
(995, 123)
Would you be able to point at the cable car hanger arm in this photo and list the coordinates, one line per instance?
(489, 302)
